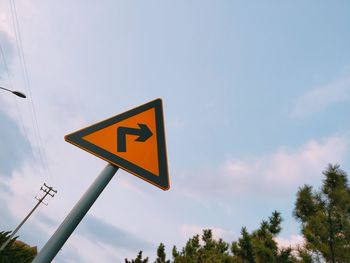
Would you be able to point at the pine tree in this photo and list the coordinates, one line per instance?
(207, 251)
(325, 216)
(188, 254)
(243, 249)
(161, 256)
(138, 259)
(260, 246)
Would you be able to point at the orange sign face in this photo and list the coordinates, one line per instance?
(133, 141)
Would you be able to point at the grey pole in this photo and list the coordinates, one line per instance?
(25, 219)
(18, 227)
(63, 232)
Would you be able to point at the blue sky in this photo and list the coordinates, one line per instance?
(256, 100)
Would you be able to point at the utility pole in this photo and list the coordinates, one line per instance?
(63, 232)
(47, 190)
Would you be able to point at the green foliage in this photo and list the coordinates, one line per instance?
(207, 251)
(305, 255)
(275, 223)
(243, 249)
(161, 256)
(325, 216)
(256, 247)
(260, 246)
(325, 223)
(138, 259)
(15, 251)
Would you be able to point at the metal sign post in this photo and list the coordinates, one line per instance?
(51, 248)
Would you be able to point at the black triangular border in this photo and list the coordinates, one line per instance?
(161, 181)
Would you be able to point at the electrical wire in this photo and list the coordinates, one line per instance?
(27, 86)
(24, 130)
(5, 65)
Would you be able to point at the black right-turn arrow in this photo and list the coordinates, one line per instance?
(143, 132)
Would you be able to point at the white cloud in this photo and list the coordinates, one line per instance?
(293, 241)
(321, 97)
(283, 171)
(5, 22)
(277, 174)
(23, 190)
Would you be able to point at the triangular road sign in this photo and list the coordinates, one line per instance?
(133, 141)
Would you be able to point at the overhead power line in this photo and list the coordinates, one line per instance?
(27, 87)
(25, 133)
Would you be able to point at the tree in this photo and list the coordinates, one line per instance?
(260, 246)
(325, 225)
(16, 251)
(325, 216)
(161, 256)
(210, 251)
(256, 247)
(243, 249)
(138, 259)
